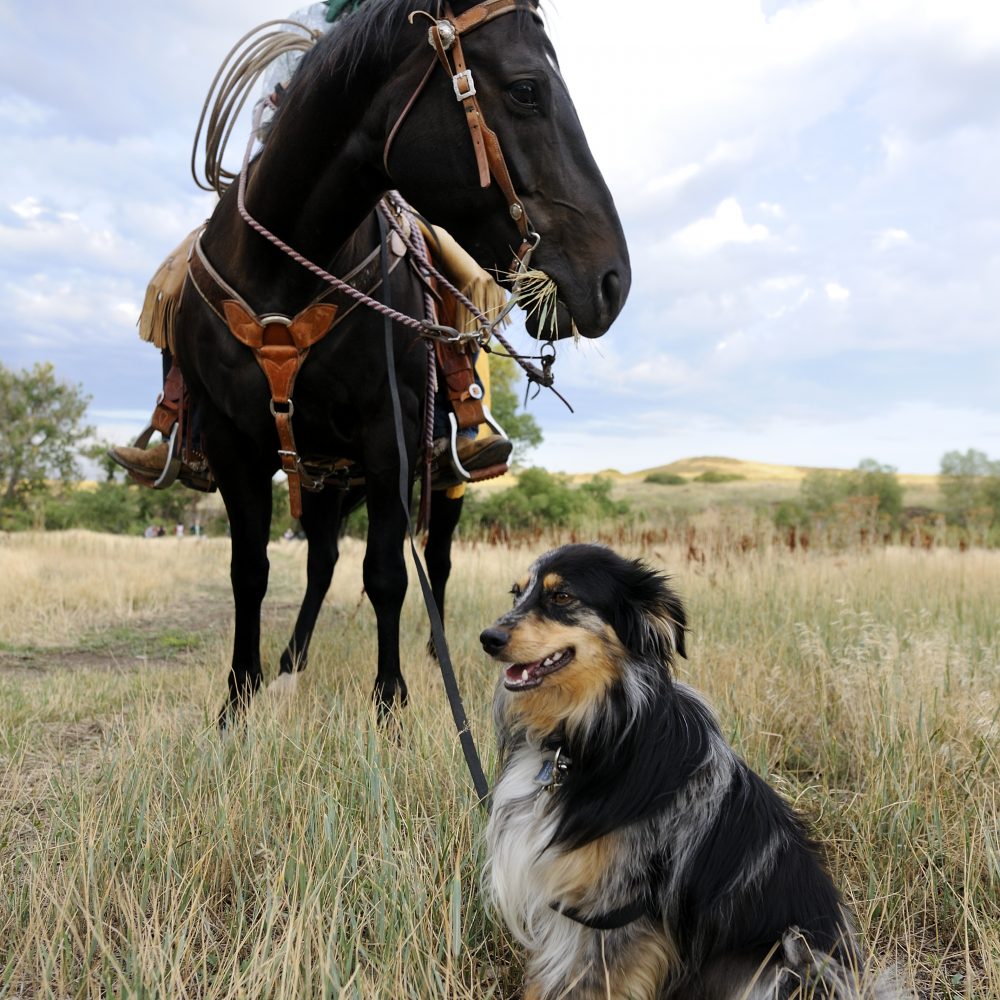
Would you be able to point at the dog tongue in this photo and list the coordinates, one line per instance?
(516, 671)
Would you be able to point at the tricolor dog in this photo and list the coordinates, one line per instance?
(631, 851)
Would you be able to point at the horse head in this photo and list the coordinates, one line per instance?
(430, 157)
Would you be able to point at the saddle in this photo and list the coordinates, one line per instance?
(280, 345)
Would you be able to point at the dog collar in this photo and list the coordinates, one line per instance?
(613, 920)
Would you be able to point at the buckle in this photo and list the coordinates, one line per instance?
(466, 77)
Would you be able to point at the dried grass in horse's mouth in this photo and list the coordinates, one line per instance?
(537, 294)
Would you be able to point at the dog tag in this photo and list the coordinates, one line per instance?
(546, 774)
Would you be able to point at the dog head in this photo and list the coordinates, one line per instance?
(580, 618)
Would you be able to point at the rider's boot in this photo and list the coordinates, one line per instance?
(476, 455)
(145, 462)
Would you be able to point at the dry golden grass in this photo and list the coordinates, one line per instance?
(57, 585)
(312, 854)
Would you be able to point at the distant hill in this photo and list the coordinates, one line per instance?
(751, 471)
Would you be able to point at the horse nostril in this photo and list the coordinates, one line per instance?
(494, 639)
(611, 293)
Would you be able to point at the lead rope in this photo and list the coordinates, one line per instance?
(437, 628)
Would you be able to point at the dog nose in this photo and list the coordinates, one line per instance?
(494, 639)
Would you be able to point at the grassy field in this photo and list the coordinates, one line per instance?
(313, 854)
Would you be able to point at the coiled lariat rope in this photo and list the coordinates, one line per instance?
(237, 78)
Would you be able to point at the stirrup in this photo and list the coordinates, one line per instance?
(173, 464)
(464, 474)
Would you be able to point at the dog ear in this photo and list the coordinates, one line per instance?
(673, 617)
(650, 619)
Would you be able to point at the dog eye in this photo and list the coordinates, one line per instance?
(561, 598)
(515, 591)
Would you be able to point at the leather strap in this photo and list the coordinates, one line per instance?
(455, 364)
(482, 13)
(486, 145)
(170, 406)
(280, 346)
(461, 720)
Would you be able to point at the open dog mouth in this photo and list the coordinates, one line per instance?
(522, 676)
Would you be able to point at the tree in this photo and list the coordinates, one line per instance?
(521, 428)
(871, 479)
(41, 427)
(969, 481)
(823, 489)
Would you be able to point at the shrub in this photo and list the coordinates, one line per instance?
(714, 476)
(823, 490)
(542, 500)
(970, 486)
(665, 479)
(870, 479)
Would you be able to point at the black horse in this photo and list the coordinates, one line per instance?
(370, 109)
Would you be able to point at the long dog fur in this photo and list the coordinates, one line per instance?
(684, 875)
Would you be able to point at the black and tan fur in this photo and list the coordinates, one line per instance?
(684, 874)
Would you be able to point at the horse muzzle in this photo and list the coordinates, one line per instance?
(587, 310)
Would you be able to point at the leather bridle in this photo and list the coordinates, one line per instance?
(445, 37)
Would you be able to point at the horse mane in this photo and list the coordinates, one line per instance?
(373, 29)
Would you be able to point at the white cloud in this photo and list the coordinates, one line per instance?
(892, 237)
(27, 208)
(727, 225)
(836, 292)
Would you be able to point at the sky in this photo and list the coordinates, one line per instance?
(808, 188)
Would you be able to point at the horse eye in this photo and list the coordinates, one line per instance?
(524, 93)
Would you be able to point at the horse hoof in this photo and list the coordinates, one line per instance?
(388, 695)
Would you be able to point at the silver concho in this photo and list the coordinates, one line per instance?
(446, 32)
(516, 211)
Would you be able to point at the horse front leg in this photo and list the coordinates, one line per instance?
(321, 517)
(444, 517)
(244, 481)
(384, 573)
